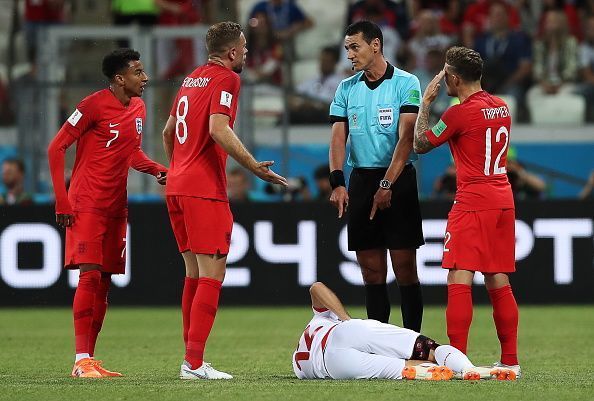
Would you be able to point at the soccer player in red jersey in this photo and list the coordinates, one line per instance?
(480, 233)
(197, 139)
(107, 127)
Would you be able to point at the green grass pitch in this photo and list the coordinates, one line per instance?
(255, 345)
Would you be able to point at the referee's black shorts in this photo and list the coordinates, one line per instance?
(397, 227)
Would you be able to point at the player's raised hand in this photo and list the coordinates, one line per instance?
(64, 220)
(263, 171)
(432, 89)
(340, 199)
(381, 200)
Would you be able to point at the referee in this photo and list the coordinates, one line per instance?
(377, 108)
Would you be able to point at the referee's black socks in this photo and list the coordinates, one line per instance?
(411, 306)
(377, 302)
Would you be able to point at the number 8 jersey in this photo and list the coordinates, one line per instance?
(477, 131)
(198, 163)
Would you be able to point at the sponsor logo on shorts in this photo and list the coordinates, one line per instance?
(439, 128)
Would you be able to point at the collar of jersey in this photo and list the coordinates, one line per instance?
(374, 84)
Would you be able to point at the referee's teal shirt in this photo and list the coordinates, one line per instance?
(373, 110)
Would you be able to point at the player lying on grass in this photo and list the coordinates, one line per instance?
(335, 346)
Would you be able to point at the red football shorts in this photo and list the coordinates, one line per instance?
(200, 225)
(483, 241)
(97, 240)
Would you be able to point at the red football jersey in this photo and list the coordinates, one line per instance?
(108, 136)
(478, 132)
(198, 163)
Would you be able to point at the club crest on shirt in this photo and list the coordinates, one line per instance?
(139, 125)
(385, 116)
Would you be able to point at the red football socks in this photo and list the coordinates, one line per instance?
(82, 308)
(99, 310)
(505, 315)
(202, 315)
(190, 286)
(459, 315)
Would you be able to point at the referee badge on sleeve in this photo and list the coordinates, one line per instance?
(385, 116)
(139, 125)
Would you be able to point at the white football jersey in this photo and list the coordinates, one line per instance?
(308, 360)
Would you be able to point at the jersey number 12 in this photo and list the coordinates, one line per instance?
(488, 151)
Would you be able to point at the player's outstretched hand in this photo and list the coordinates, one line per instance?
(263, 171)
(162, 178)
(64, 220)
(381, 200)
(432, 89)
(340, 199)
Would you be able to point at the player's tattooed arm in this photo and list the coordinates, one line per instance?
(421, 143)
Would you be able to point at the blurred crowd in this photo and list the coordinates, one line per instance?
(535, 51)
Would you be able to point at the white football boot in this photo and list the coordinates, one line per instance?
(205, 372)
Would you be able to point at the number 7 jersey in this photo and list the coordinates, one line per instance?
(478, 132)
(198, 163)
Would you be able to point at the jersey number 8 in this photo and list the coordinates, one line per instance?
(488, 151)
(181, 120)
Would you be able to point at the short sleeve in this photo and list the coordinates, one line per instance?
(410, 96)
(324, 312)
(225, 96)
(82, 118)
(445, 128)
(338, 107)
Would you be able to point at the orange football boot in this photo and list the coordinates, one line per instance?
(104, 372)
(423, 372)
(85, 368)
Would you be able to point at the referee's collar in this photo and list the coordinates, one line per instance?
(374, 84)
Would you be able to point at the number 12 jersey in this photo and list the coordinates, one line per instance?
(478, 132)
(198, 163)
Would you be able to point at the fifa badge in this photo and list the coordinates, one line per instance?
(139, 125)
(385, 117)
(355, 120)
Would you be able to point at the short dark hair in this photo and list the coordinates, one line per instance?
(333, 51)
(220, 36)
(369, 30)
(17, 162)
(118, 60)
(322, 172)
(467, 63)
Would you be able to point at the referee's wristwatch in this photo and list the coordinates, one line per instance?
(385, 184)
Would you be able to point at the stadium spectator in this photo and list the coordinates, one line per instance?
(435, 59)
(506, 55)
(178, 57)
(264, 65)
(312, 97)
(377, 108)
(586, 68)
(238, 185)
(391, 14)
(555, 60)
(141, 12)
(196, 185)
(484, 207)
(427, 36)
(574, 25)
(107, 128)
(587, 191)
(39, 14)
(13, 178)
(335, 346)
(476, 19)
(285, 17)
(322, 182)
(444, 186)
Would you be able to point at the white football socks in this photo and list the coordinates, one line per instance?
(452, 357)
(81, 356)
